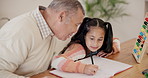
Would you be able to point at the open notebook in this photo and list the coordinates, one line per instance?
(107, 69)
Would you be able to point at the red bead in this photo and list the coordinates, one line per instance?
(146, 19)
(140, 37)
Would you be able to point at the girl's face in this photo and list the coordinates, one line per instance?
(94, 38)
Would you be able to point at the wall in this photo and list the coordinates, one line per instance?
(146, 6)
(128, 27)
(12, 8)
(124, 28)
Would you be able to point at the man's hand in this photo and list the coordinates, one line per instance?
(44, 74)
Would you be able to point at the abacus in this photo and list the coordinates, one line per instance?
(141, 41)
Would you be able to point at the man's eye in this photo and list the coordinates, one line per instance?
(92, 38)
(77, 25)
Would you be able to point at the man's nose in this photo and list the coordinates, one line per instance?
(75, 30)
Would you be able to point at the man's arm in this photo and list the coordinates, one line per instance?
(12, 54)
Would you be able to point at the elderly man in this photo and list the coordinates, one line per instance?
(28, 42)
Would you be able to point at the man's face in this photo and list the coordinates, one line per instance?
(70, 25)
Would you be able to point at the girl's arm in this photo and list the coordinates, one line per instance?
(116, 49)
(65, 62)
(116, 45)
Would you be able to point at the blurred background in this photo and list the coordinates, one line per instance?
(125, 26)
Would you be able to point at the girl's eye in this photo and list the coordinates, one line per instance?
(100, 39)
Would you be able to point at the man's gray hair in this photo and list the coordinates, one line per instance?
(68, 5)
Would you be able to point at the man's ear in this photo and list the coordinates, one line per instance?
(62, 16)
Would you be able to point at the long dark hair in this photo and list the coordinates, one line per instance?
(79, 37)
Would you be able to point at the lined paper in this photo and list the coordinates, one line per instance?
(107, 69)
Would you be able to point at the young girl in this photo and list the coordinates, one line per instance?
(94, 35)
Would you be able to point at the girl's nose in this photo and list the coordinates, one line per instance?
(95, 43)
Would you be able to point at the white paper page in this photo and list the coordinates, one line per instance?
(107, 68)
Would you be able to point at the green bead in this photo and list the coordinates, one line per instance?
(137, 43)
(146, 75)
(144, 26)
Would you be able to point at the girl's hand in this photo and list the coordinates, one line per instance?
(116, 49)
(103, 54)
(90, 69)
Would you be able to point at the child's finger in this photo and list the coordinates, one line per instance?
(103, 54)
(100, 53)
(108, 54)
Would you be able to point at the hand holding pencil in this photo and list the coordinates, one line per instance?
(90, 69)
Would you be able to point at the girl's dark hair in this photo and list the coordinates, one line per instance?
(79, 37)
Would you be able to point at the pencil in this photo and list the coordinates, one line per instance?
(92, 58)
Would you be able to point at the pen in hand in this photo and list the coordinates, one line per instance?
(92, 58)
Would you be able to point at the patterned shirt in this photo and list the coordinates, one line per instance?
(43, 26)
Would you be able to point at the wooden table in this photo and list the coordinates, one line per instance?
(126, 56)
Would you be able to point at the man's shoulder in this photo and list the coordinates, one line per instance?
(23, 18)
(21, 22)
(20, 25)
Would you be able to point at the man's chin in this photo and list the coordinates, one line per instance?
(63, 39)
